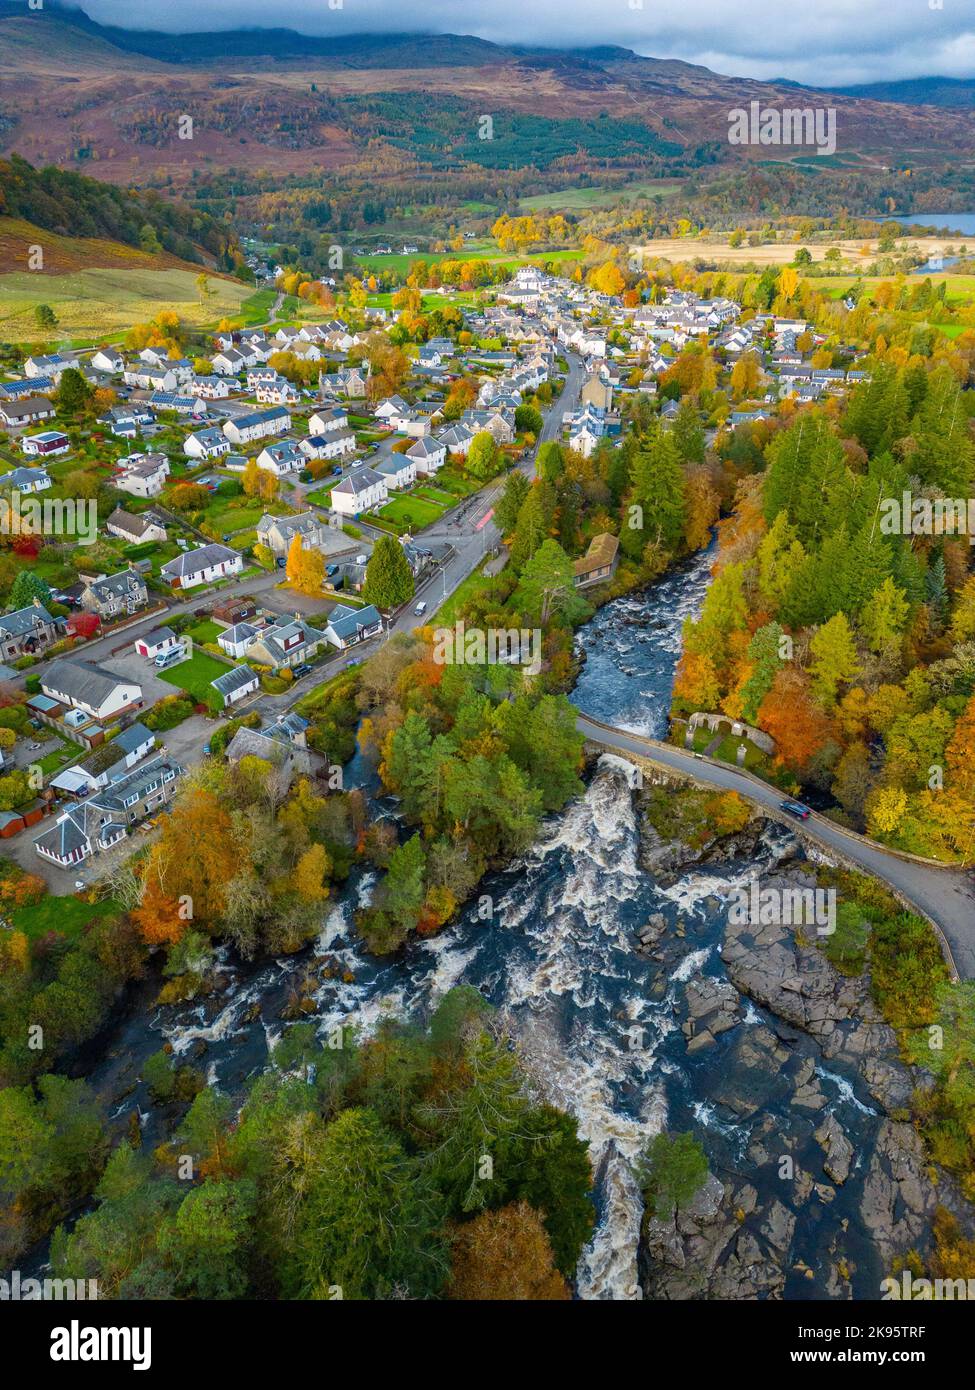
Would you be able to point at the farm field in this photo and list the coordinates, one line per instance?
(574, 198)
(99, 303)
(473, 252)
(776, 253)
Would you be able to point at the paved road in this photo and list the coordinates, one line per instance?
(945, 895)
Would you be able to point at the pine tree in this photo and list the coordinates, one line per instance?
(389, 579)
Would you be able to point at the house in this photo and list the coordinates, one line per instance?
(26, 631)
(135, 529)
(46, 445)
(125, 421)
(597, 392)
(362, 490)
(277, 532)
(26, 479)
(456, 439)
(258, 424)
(235, 640)
(154, 643)
(211, 388)
(236, 684)
(206, 444)
(390, 409)
(90, 688)
(333, 445)
(599, 562)
(323, 421)
(282, 743)
(26, 411)
(231, 361)
(142, 475)
(280, 392)
(182, 405)
(427, 455)
(286, 642)
(399, 470)
(202, 566)
(106, 764)
(148, 378)
(349, 626)
(281, 459)
(113, 595)
(104, 819)
(108, 360)
(52, 367)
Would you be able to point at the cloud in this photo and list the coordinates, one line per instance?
(831, 43)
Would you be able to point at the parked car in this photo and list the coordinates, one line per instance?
(281, 561)
(796, 808)
(419, 610)
(302, 670)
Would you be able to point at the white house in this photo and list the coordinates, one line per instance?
(456, 439)
(324, 421)
(206, 444)
(211, 388)
(281, 459)
(86, 686)
(26, 479)
(154, 643)
(235, 640)
(149, 378)
(427, 454)
(280, 392)
(399, 470)
(202, 566)
(238, 682)
(47, 444)
(388, 409)
(108, 360)
(259, 424)
(362, 490)
(334, 445)
(142, 475)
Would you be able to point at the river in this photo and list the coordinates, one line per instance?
(598, 1024)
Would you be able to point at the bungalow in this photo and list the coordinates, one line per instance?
(277, 532)
(85, 686)
(599, 562)
(281, 459)
(182, 405)
(142, 475)
(349, 626)
(103, 820)
(416, 426)
(283, 743)
(114, 594)
(108, 763)
(399, 470)
(26, 412)
(428, 455)
(206, 444)
(154, 643)
(286, 643)
(26, 479)
(26, 631)
(202, 566)
(19, 388)
(257, 425)
(48, 444)
(125, 421)
(235, 640)
(134, 528)
(236, 684)
(362, 490)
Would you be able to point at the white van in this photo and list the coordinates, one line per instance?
(419, 610)
(170, 657)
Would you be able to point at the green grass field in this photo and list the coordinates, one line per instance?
(195, 675)
(65, 916)
(573, 198)
(94, 304)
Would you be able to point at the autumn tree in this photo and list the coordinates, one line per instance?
(504, 1254)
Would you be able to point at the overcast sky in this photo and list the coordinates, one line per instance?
(816, 41)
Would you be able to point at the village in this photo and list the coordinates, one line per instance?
(181, 607)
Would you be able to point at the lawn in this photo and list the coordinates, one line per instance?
(473, 584)
(571, 198)
(66, 916)
(410, 511)
(95, 303)
(207, 631)
(195, 675)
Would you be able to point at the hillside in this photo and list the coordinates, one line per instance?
(274, 104)
(919, 91)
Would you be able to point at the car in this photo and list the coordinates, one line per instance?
(331, 570)
(795, 808)
(281, 561)
(419, 610)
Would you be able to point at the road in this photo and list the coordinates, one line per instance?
(945, 895)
